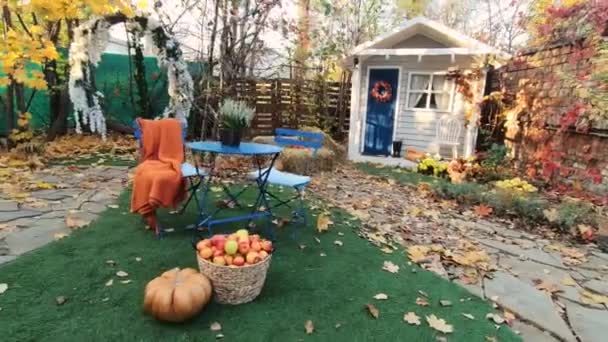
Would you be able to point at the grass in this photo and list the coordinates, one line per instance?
(302, 285)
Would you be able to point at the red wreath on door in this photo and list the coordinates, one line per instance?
(382, 91)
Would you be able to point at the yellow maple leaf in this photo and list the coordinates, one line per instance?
(417, 253)
(323, 223)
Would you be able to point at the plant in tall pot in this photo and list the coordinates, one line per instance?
(235, 117)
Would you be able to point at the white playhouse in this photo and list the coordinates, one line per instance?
(402, 93)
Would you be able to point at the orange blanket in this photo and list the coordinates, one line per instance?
(158, 179)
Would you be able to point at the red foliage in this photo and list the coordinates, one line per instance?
(594, 174)
(570, 117)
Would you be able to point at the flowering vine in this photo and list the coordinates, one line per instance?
(91, 39)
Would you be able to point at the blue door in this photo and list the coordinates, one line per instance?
(380, 112)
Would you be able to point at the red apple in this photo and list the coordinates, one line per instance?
(217, 239)
(205, 253)
(267, 246)
(263, 254)
(219, 260)
(255, 246)
(218, 252)
(244, 247)
(238, 260)
(253, 257)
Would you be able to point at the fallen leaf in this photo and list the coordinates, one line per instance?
(586, 232)
(215, 189)
(215, 326)
(219, 336)
(439, 324)
(323, 223)
(411, 318)
(73, 221)
(390, 267)
(122, 274)
(482, 210)
(373, 311)
(322, 254)
(422, 302)
(111, 262)
(546, 286)
(59, 236)
(110, 282)
(552, 215)
(469, 316)
(423, 293)
(509, 317)
(309, 327)
(338, 325)
(387, 250)
(444, 302)
(588, 297)
(340, 234)
(126, 281)
(3, 287)
(496, 318)
(113, 206)
(138, 259)
(568, 281)
(61, 300)
(338, 243)
(317, 240)
(381, 296)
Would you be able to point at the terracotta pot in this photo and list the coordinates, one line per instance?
(413, 155)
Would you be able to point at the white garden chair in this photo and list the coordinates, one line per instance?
(448, 133)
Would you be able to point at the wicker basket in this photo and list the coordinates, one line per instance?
(235, 285)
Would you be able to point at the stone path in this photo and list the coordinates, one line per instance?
(557, 291)
(46, 215)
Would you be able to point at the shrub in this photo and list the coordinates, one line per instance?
(495, 156)
(572, 213)
(431, 166)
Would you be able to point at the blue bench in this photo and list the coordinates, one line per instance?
(292, 138)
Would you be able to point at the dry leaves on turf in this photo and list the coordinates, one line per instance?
(309, 327)
(422, 301)
(411, 318)
(323, 223)
(439, 324)
(373, 311)
(390, 267)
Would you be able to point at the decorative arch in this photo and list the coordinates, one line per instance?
(91, 39)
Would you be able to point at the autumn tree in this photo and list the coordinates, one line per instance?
(32, 34)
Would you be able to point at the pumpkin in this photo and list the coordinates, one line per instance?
(177, 295)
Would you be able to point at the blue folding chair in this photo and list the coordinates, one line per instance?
(192, 173)
(291, 137)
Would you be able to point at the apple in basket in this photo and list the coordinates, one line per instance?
(238, 260)
(242, 233)
(229, 259)
(244, 247)
(219, 260)
(231, 247)
(252, 257)
(263, 254)
(267, 246)
(205, 252)
(203, 243)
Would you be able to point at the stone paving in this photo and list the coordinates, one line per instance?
(47, 215)
(523, 262)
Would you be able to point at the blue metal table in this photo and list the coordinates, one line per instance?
(254, 150)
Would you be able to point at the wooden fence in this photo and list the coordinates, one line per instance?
(294, 104)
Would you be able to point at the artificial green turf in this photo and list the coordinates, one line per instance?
(301, 285)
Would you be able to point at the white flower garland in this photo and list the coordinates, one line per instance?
(91, 39)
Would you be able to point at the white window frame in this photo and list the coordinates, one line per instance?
(428, 91)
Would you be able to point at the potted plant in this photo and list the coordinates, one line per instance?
(235, 116)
